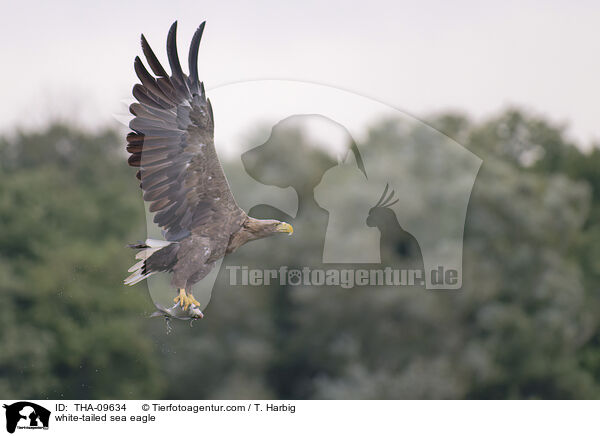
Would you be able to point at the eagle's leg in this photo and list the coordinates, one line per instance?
(185, 299)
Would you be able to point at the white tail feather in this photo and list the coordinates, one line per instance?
(157, 243)
(137, 276)
(136, 266)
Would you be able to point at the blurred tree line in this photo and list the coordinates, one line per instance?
(525, 324)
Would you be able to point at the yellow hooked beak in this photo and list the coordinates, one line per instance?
(285, 228)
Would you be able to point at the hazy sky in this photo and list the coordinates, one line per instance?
(75, 59)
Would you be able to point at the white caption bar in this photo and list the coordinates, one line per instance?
(301, 417)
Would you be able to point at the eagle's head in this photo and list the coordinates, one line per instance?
(253, 229)
(263, 228)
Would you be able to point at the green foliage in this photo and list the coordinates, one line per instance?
(523, 326)
(70, 329)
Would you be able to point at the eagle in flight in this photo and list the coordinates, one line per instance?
(172, 145)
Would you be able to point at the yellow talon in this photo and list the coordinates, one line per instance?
(181, 297)
(185, 300)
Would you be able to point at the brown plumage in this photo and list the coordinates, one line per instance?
(172, 145)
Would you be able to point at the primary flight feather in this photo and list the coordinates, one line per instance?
(172, 145)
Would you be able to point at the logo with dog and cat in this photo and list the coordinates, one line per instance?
(24, 415)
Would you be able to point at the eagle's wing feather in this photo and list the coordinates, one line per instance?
(172, 143)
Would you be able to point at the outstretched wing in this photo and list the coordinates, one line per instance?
(172, 143)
